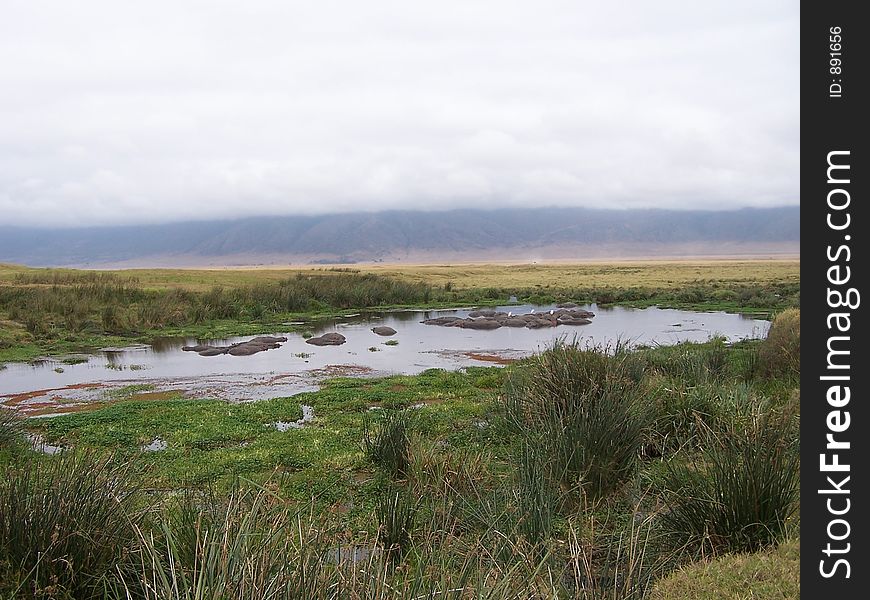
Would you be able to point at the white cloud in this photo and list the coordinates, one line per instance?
(131, 112)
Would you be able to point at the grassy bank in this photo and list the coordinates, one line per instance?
(590, 473)
(56, 311)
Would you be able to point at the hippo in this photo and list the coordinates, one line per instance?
(252, 347)
(485, 323)
(213, 351)
(197, 348)
(327, 339)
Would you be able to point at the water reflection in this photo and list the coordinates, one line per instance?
(168, 344)
(296, 365)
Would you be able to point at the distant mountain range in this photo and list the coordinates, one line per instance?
(542, 233)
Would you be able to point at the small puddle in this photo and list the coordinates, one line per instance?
(38, 443)
(155, 445)
(307, 417)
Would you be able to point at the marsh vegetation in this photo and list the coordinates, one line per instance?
(61, 310)
(583, 472)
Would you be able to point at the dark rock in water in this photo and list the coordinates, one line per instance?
(213, 351)
(197, 348)
(327, 339)
(384, 330)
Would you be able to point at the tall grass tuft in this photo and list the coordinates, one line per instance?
(691, 363)
(739, 494)
(387, 442)
(11, 432)
(250, 546)
(780, 353)
(588, 405)
(537, 497)
(254, 545)
(748, 363)
(65, 525)
(395, 512)
(608, 564)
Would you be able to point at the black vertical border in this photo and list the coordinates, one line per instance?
(833, 124)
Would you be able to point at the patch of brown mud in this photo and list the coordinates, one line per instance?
(16, 400)
(491, 358)
(61, 408)
(61, 401)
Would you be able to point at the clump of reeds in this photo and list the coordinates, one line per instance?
(739, 493)
(616, 563)
(536, 492)
(250, 545)
(395, 513)
(65, 525)
(387, 442)
(691, 363)
(11, 431)
(780, 353)
(588, 404)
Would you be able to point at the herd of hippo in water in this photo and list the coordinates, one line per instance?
(258, 344)
(268, 342)
(563, 314)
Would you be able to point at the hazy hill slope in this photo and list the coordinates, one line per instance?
(386, 235)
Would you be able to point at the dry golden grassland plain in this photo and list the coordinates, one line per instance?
(617, 274)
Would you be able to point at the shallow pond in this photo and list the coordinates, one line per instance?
(50, 387)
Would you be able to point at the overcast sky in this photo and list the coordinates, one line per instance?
(119, 112)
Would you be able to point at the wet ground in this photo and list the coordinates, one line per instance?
(161, 370)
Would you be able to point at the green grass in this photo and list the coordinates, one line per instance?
(387, 442)
(740, 493)
(483, 506)
(588, 408)
(214, 440)
(11, 431)
(64, 525)
(768, 575)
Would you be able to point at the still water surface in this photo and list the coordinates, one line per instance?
(297, 366)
